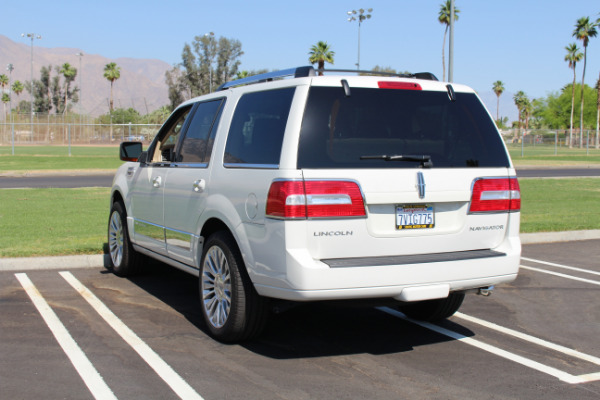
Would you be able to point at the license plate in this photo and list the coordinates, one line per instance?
(415, 216)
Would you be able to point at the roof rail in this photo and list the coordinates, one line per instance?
(298, 72)
(418, 75)
(301, 72)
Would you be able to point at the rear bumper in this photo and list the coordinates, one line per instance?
(308, 279)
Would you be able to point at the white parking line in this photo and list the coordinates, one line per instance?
(562, 375)
(575, 278)
(586, 271)
(164, 370)
(82, 364)
(529, 338)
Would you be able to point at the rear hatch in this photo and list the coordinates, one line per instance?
(416, 156)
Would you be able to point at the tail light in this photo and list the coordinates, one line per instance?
(495, 195)
(315, 199)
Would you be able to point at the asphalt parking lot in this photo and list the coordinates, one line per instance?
(85, 333)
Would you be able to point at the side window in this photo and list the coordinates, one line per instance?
(257, 127)
(199, 137)
(166, 140)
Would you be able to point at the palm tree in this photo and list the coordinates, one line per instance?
(498, 89)
(321, 53)
(18, 87)
(444, 19)
(584, 30)
(573, 57)
(112, 72)
(4, 82)
(519, 99)
(69, 72)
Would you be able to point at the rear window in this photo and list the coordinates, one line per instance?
(338, 130)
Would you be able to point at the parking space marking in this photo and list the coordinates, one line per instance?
(529, 338)
(575, 278)
(586, 271)
(562, 375)
(164, 370)
(82, 364)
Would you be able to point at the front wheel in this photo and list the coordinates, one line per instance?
(124, 259)
(231, 307)
(434, 310)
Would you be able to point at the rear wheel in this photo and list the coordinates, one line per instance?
(434, 310)
(124, 259)
(231, 307)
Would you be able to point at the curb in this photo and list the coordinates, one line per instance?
(552, 237)
(52, 263)
(103, 260)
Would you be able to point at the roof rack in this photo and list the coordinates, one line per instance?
(301, 72)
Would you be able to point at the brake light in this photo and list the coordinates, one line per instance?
(399, 85)
(495, 195)
(315, 199)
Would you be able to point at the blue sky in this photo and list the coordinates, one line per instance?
(519, 42)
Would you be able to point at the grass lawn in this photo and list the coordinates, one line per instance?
(38, 222)
(45, 158)
(543, 155)
(41, 222)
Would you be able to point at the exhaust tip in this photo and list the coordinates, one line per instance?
(485, 291)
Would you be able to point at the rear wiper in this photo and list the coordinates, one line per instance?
(424, 159)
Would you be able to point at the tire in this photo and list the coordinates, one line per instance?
(231, 307)
(125, 261)
(434, 310)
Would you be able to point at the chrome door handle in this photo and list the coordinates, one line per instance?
(199, 185)
(156, 182)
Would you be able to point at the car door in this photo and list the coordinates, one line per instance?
(188, 182)
(147, 190)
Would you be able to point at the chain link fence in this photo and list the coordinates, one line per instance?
(547, 142)
(58, 130)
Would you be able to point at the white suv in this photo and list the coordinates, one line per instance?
(322, 188)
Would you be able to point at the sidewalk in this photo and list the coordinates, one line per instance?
(103, 260)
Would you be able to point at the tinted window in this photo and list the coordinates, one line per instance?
(338, 130)
(257, 127)
(198, 140)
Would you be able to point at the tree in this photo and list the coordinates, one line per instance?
(573, 57)
(321, 53)
(17, 87)
(498, 89)
(598, 112)
(3, 83)
(195, 74)
(112, 72)
(5, 99)
(519, 99)
(584, 30)
(69, 74)
(444, 19)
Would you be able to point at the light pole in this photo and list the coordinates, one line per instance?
(359, 16)
(32, 36)
(211, 37)
(80, 55)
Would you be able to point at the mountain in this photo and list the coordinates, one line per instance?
(141, 85)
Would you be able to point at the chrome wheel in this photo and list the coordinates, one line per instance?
(216, 286)
(115, 238)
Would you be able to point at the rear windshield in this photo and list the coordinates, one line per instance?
(338, 130)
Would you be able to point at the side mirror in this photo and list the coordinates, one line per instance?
(130, 151)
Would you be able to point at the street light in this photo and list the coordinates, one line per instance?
(211, 37)
(359, 16)
(32, 36)
(80, 55)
